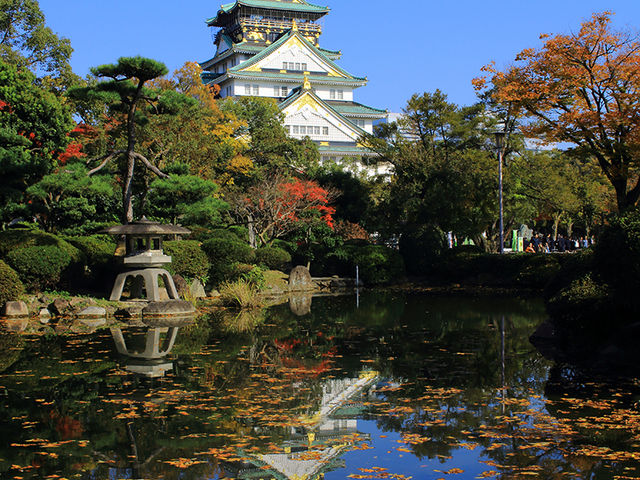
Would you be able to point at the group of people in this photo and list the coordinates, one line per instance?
(541, 243)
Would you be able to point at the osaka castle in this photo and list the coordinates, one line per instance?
(270, 48)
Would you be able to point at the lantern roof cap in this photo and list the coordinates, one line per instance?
(145, 226)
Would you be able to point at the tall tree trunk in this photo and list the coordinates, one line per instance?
(127, 189)
(556, 223)
(252, 231)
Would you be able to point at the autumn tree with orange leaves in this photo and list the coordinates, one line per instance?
(582, 88)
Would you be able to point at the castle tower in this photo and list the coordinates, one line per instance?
(270, 48)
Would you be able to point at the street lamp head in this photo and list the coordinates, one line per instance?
(500, 135)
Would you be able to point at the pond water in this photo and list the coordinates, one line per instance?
(386, 385)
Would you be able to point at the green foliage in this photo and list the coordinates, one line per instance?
(420, 247)
(538, 270)
(582, 304)
(70, 201)
(240, 294)
(21, 238)
(271, 149)
(186, 198)
(254, 277)
(100, 263)
(224, 254)
(39, 267)
(28, 42)
(10, 285)
(377, 264)
(33, 128)
(187, 259)
(273, 258)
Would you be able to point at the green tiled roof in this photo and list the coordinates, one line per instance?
(277, 44)
(270, 4)
(354, 108)
(298, 78)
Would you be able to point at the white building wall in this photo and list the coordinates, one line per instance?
(333, 93)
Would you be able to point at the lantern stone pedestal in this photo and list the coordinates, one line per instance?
(144, 259)
(150, 278)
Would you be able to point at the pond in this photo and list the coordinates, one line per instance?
(385, 385)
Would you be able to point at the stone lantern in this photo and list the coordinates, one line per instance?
(144, 257)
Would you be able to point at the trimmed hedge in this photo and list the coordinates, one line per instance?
(20, 238)
(40, 267)
(273, 258)
(100, 265)
(187, 259)
(10, 285)
(224, 254)
(377, 264)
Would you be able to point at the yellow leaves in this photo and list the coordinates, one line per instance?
(453, 471)
(183, 462)
(488, 474)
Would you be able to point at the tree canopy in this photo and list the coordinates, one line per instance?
(582, 88)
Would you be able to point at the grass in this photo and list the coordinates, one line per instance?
(240, 294)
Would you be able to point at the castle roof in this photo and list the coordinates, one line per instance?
(291, 6)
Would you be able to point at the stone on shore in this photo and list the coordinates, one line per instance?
(16, 309)
(59, 306)
(92, 312)
(170, 307)
(196, 289)
(300, 280)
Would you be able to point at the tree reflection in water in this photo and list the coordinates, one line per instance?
(400, 387)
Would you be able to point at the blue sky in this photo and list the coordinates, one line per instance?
(403, 47)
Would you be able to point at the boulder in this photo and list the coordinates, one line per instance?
(181, 285)
(170, 307)
(130, 312)
(59, 307)
(300, 280)
(92, 312)
(196, 289)
(213, 294)
(16, 309)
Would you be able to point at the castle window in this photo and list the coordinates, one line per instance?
(325, 131)
(303, 130)
(247, 89)
(256, 90)
(296, 129)
(340, 94)
(316, 130)
(297, 66)
(285, 91)
(332, 94)
(304, 67)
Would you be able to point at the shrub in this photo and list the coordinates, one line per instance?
(20, 238)
(240, 294)
(39, 267)
(584, 299)
(187, 259)
(421, 247)
(10, 285)
(224, 254)
(98, 252)
(377, 264)
(273, 258)
(538, 270)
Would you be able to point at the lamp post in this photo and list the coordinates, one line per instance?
(500, 137)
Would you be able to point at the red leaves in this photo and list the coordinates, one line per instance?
(74, 150)
(309, 193)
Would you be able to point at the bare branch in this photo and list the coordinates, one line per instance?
(105, 159)
(150, 166)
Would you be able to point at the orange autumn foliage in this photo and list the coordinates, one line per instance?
(582, 88)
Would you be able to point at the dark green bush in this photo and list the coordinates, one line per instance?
(223, 254)
(377, 264)
(10, 285)
(538, 270)
(187, 259)
(584, 299)
(40, 267)
(421, 247)
(273, 258)
(20, 238)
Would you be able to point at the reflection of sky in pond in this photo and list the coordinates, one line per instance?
(404, 386)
